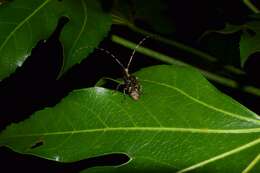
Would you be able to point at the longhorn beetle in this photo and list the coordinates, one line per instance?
(131, 85)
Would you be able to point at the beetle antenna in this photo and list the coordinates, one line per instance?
(112, 55)
(133, 53)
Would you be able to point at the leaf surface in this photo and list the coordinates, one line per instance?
(24, 23)
(181, 123)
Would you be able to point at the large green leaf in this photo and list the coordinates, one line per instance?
(180, 123)
(24, 23)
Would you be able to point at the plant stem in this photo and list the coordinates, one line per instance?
(170, 60)
(186, 48)
(251, 6)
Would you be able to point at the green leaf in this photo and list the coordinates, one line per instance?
(24, 23)
(228, 29)
(223, 44)
(224, 47)
(180, 123)
(250, 41)
(156, 15)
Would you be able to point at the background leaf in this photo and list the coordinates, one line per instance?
(180, 123)
(154, 14)
(249, 40)
(224, 47)
(24, 23)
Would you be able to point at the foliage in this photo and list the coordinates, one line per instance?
(249, 38)
(32, 21)
(181, 122)
(94, 121)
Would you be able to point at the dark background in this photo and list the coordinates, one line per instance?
(34, 86)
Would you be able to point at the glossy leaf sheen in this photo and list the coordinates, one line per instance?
(24, 23)
(180, 123)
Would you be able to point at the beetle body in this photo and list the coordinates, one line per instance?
(132, 87)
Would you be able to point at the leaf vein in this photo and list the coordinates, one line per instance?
(159, 129)
(252, 164)
(205, 104)
(82, 28)
(22, 23)
(221, 156)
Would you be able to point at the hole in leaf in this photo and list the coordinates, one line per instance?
(37, 144)
(115, 159)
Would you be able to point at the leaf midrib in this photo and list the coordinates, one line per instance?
(157, 129)
(189, 168)
(22, 23)
(237, 116)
